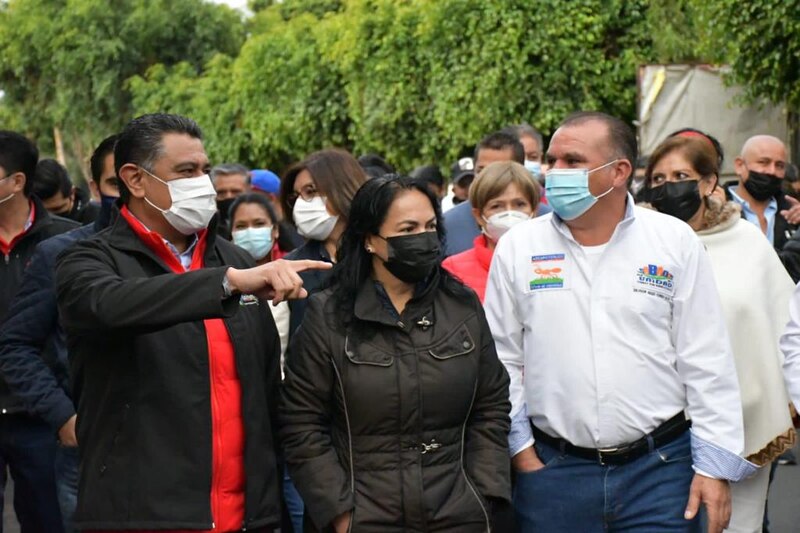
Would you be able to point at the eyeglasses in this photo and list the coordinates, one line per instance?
(307, 193)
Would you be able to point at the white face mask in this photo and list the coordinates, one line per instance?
(193, 203)
(499, 223)
(10, 196)
(312, 218)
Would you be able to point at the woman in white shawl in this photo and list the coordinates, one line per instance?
(755, 289)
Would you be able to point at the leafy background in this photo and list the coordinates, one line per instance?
(417, 81)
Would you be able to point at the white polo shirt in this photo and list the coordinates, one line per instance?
(603, 345)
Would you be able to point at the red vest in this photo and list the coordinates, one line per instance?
(227, 426)
(472, 266)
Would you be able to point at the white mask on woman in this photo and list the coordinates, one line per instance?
(312, 219)
(499, 223)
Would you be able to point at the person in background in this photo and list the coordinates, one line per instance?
(316, 194)
(681, 180)
(394, 409)
(533, 144)
(761, 167)
(503, 195)
(459, 223)
(230, 180)
(609, 324)
(431, 176)
(54, 188)
(27, 442)
(374, 165)
(791, 181)
(33, 352)
(254, 227)
(461, 175)
(268, 183)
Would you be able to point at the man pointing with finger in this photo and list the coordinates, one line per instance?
(174, 354)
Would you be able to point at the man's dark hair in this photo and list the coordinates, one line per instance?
(141, 141)
(502, 140)
(99, 155)
(51, 178)
(18, 154)
(429, 174)
(621, 137)
(375, 166)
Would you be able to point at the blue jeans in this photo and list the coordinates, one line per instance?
(27, 450)
(294, 503)
(571, 494)
(67, 461)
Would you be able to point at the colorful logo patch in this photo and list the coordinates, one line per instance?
(655, 276)
(549, 271)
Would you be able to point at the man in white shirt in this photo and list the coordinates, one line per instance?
(608, 321)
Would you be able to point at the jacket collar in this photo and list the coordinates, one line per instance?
(123, 237)
(370, 306)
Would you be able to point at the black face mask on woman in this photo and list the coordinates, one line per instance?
(762, 186)
(412, 257)
(681, 199)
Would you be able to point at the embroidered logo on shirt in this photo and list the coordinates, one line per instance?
(248, 299)
(549, 271)
(655, 276)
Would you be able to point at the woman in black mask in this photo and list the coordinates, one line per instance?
(754, 287)
(395, 406)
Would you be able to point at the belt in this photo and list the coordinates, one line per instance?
(625, 453)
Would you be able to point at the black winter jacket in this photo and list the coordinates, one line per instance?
(12, 268)
(140, 378)
(403, 419)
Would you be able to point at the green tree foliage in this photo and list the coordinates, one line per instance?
(760, 40)
(65, 63)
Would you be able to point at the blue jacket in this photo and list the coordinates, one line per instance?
(461, 229)
(33, 352)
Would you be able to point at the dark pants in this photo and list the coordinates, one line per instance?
(648, 494)
(27, 450)
(67, 462)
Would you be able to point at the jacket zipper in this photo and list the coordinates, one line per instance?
(349, 444)
(463, 470)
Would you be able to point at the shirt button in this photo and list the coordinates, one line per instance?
(466, 344)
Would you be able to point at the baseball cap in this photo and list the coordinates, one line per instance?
(265, 181)
(463, 168)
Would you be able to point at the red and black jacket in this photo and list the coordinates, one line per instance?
(162, 447)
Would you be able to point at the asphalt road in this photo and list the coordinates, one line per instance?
(784, 502)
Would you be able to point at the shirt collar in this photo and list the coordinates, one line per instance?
(745, 204)
(627, 219)
(184, 258)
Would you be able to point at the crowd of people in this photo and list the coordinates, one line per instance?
(558, 338)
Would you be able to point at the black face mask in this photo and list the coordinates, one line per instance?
(413, 257)
(681, 199)
(762, 186)
(223, 207)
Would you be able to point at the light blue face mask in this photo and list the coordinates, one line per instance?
(257, 241)
(568, 190)
(534, 167)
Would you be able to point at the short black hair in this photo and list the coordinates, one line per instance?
(502, 140)
(621, 137)
(51, 178)
(141, 141)
(375, 166)
(253, 198)
(99, 155)
(429, 174)
(18, 154)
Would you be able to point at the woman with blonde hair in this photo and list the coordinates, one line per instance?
(503, 195)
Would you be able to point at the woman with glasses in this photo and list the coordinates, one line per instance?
(395, 407)
(681, 180)
(316, 195)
